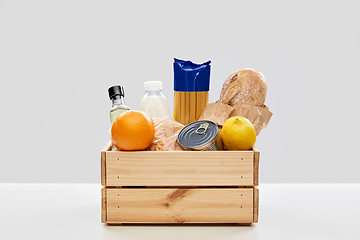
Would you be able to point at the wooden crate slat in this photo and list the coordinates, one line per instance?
(180, 168)
(167, 205)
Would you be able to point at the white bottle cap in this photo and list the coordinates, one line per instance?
(153, 85)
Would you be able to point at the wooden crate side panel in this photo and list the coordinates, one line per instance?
(103, 168)
(256, 204)
(171, 205)
(103, 205)
(182, 168)
(103, 163)
(256, 166)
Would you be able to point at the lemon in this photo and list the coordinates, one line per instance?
(238, 133)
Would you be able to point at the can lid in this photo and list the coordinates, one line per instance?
(198, 135)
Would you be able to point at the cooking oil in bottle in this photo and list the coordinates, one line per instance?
(116, 95)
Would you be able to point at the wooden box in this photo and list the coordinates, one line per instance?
(179, 186)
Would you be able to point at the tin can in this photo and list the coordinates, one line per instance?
(201, 136)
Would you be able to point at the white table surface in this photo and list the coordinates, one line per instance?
(72, 211)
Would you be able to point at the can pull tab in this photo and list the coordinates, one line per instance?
(203, 126)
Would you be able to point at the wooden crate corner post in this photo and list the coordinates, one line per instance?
(256, 205)
(103, 162)
(103, 205)
(256, 166)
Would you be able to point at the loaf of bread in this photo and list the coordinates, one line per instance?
(244, 86)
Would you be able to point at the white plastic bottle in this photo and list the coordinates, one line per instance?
(154, 102)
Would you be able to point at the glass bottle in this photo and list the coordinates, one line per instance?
(116, 95)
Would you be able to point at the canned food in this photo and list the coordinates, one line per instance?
(201, 135)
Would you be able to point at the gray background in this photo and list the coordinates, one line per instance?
(57, 59)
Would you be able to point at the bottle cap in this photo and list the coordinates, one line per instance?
(116, 90)
(153, 85)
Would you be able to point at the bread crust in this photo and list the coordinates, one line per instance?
(244, 86)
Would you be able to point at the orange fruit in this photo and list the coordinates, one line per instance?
(133, 130)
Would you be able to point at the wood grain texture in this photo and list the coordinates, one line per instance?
(171, 205)
(103, 163)
(256, 166)
(244, 224)
(107, 147)
(103, 168)
(256, 205)
(179, 168)
(103, 205)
